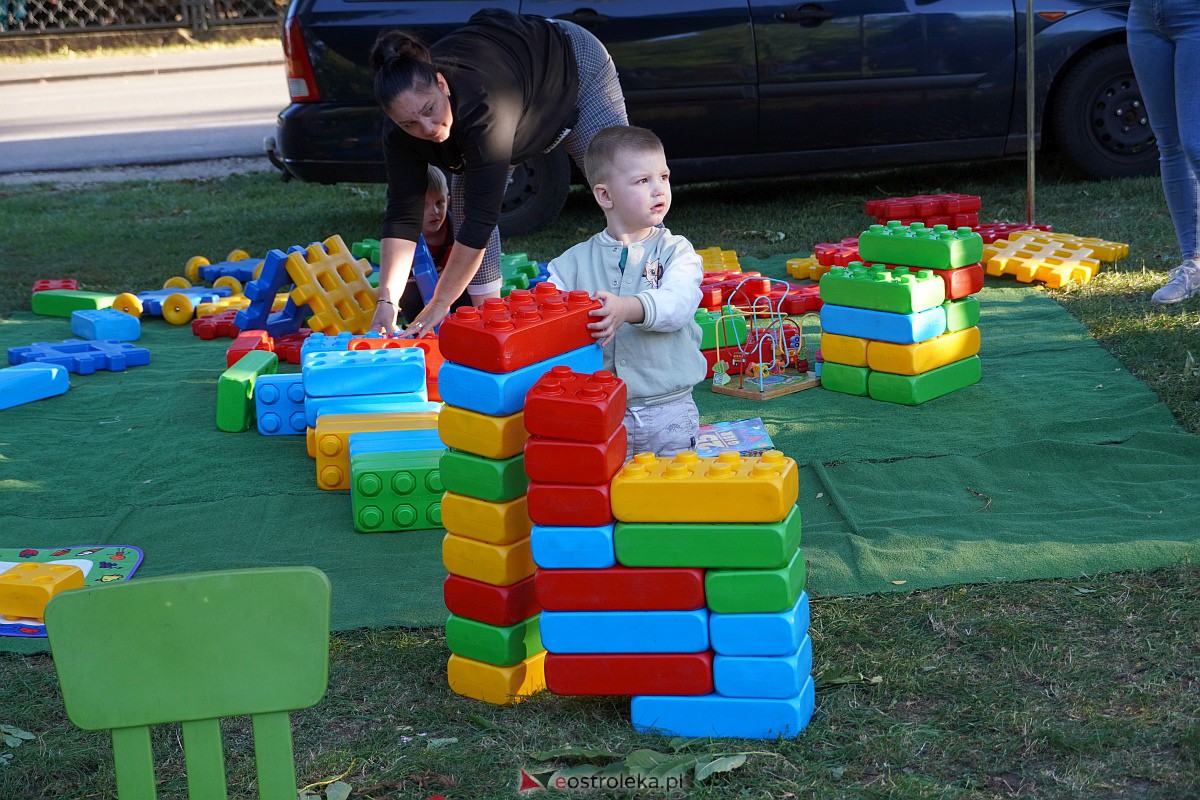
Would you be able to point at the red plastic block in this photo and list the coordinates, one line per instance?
(991, 231)
(55, 283)
(919, 207)
(962, 281)
(568, 504)
(800, 299)
(730, 355)
(620, 589)
(527, 326)
(289, 345)
(496, 605)
(629, 673)
(222, 324)
(561, 461)
(247, 341)
(564, 404)
(837, 254)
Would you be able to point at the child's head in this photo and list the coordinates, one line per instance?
(628, 173)
(437, 202)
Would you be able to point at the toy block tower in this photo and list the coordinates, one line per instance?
(494, 354)
(905, 330)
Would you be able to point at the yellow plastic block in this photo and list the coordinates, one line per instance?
(494, 523)
(333, 284)
(688, 488)
(915, 359)
(806, 268)
(481, 434)
(848, 350)
(26, 588)
(497, 564)
(1054, 264)
(1101, 248)
(714, 259)
(331, 439)
(497, 685)
(235, 302)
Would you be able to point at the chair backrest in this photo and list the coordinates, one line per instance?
(191, 649)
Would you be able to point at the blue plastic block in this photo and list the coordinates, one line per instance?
(107, 324)
(279, 404)
(261, 291)
(714, 715)
(242, 270)
(367, 404)
(501, 394)
(573, 547)
(394, 441)
(625, 631)
(82, 357)
(152, 300)
(392, 371)
(25, 383)
(778, 677)
(424, 270)
(318, 342)
(884, 326)
(760, 634)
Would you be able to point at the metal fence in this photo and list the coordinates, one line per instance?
(70, 16)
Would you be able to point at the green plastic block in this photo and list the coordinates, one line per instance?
(530, 270)
(400, 491)
(235, 390)
(918, 246)
(755, 591)
(732, 332)
(62, 302)
(711, 545)
(491, 644)
(900, 290)
(367, 248)
(912, 390)
(844, 378)
(494, 480)
(961, 313)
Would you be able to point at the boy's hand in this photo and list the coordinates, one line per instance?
(614, 312)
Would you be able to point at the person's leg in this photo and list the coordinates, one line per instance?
(664, 430)
(1183, 26)
(487, 280)
(601, 102)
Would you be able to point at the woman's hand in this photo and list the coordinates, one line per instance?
(424, 323)
(384, 319)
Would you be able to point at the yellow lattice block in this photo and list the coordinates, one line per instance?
(1052, 263)
(715, 259)
(496, 685)
(331, 439)
(494, 523)
(1101, 249)
(481, 434)
(688, 488)
(915, 359)
(26, 588)
(497, 564)
(849, 350)
(806, 268)
(333, 284)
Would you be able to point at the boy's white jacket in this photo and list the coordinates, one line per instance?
(659, 359)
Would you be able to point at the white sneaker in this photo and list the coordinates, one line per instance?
(1184, 282)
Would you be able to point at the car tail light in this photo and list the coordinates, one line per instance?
(302, 83)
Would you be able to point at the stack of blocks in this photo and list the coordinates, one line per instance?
(906, 334)
(494, 354)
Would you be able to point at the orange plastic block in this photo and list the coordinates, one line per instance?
(1051, 263)
(808, 268)
(482, 434)
(494, 523)
(26, 588)
(496, 685)
(331, 439)
(497, 564)
(527, 326)
(714, 259)
(688, 488)
(914, 359)
(564, 404)
(839, 349)
(333, 284)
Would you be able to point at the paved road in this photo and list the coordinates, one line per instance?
(63, 114)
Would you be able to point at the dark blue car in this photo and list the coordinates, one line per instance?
(755, 88)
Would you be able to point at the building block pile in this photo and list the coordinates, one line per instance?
(907, 334)
(494, 355)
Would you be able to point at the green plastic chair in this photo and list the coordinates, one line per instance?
(191, 649)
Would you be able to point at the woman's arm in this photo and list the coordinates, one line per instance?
(395, 264)
(460, 268)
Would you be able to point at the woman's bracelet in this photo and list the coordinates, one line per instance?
(381, 302)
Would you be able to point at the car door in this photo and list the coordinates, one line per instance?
(686, 67)
(849, 73)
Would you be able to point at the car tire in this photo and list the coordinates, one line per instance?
(536, 194)
(1100, 127)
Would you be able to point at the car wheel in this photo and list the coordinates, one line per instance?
(1099, 121)
(536, 194)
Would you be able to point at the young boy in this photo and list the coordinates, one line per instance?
(648, 281)
(439, 238)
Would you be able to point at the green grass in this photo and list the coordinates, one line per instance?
(1050, 689)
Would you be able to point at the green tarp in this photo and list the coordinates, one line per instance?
(1058, 463)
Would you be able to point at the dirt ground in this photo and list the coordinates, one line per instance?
(191, 170)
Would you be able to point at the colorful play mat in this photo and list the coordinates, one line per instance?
(99, 564)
